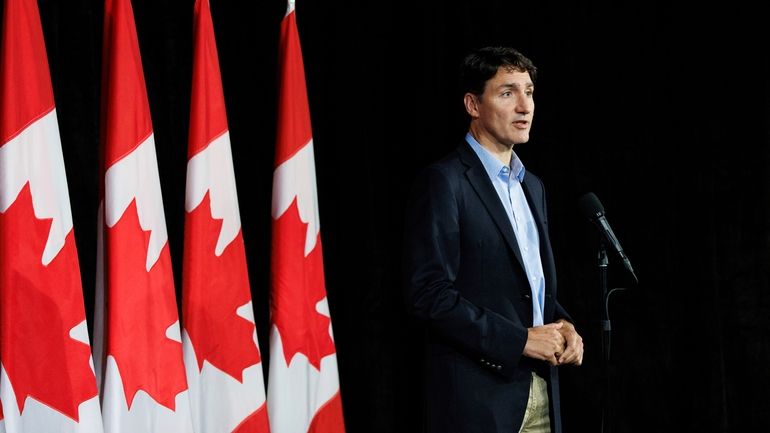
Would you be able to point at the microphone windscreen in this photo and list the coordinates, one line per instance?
(591, 206)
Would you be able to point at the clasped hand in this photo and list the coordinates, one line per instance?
(556, 343)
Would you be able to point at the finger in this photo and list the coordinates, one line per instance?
(569, 356)
(575, 343)
(575, 339)
(560, 345)
(563, 341)
(574, 357)
(578, 359)
(569, 335)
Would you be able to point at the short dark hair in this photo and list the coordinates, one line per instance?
(481, 65)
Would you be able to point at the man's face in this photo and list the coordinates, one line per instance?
(503, 113)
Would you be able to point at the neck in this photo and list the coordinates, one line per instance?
(501, 151)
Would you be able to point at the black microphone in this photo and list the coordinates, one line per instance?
(593, 210)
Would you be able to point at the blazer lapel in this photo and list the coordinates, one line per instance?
(536, 211)
(546, 256)
(479, 179)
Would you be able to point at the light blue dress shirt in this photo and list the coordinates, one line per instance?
(507, 182)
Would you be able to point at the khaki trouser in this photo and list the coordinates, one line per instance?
(536, 419)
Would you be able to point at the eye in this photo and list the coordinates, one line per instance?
(506, 94)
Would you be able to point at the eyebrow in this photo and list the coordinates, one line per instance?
(529, 85)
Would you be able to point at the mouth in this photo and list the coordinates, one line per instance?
(521, 124)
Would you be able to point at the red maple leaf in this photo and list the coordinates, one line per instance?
(141, 305)
(297, 286)
(215, 287)
(39, 306)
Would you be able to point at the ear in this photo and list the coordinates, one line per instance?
(472, 102)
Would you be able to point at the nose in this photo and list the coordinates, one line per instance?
(525, 104)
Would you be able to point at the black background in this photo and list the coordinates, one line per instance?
(660, 110)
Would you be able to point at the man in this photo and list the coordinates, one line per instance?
(480, 271)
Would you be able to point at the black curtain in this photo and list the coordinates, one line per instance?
(660, 110)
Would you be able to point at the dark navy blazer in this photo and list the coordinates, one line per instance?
(466, 280)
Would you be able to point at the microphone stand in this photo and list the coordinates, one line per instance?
(606, 426)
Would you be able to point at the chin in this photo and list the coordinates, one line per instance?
(523, 138)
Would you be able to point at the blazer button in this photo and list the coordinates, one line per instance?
(499, 367)
(527, 297)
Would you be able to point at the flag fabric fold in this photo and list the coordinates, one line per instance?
(137, 339)
(47, 382)
(222, 358)
(303, 385)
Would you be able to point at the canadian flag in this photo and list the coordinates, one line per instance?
(303, 386)
(137, 341)
(47, 381)
(224, 368)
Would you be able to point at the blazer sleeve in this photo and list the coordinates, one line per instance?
(431, 263)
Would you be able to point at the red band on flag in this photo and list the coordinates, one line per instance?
(123, 88)
(207, 114)
(294, 130)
